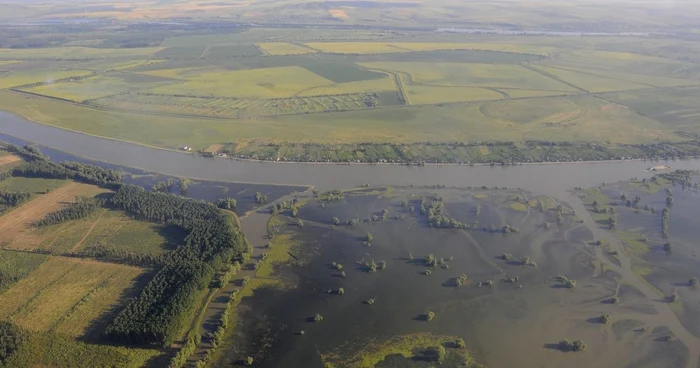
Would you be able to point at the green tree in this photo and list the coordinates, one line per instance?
(605, 319)
(249, 361)
(341, 291)
(335, 220)
(369, 237)
(300, 223)
(693, 281)
(430, 260)
(668, 247)
(429, 316)
(318, 318)
(459, 344)
(184, 185)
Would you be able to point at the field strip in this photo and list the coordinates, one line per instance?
(92, 227)
(52, 281)
(600, 76)
(37, 206)
(16, 225)
(9, 159)
(553, 77)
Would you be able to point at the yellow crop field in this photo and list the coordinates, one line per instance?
(66, 294)
(471, 75)
(589, 82)
(76, 53)
(253, 83)
(91, 88)
(23, 78)
(418, 95)
(8, 62)
(284, 48)
(392, 47)
(366, 86)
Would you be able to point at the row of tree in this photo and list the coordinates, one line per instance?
(212, 240)
(77, 171)
(82, 207)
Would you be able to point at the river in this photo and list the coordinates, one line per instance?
(548, 179)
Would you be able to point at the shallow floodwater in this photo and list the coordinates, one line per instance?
(504, 325)
(550, 179)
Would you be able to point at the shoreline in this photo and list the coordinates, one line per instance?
(231, 158)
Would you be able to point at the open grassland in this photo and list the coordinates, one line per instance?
(34, 186)
(488, 121)
(418, 95)
(99, 86)
(25, 78)
(284, 48)
(588, 82)
(617, 62)
(16, 226)
(52, 350)
(66, 295)
(110, 229)
(77, 53)
(598, 75)
(472, 75)
(342, 72)
(368, 86)
(395, 47)
(255, 83)
(237, 107)
(677, 108)
(225, 51)
(14, 266)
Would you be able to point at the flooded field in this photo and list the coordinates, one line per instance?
(513, 276)
(663, 253)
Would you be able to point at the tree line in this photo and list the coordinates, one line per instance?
(213, 239)
(82, 207)
(77, 171)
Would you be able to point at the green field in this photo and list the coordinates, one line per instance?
(66, 295)
(14, 266)
(54, 350)
(31, 185)
(291, 86)
(110, 229)
(256, 83)
(283, 48)
(99, 86)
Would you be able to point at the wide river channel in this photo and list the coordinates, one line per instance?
(551, 179)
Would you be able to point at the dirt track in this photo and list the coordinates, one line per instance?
(16, 226)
